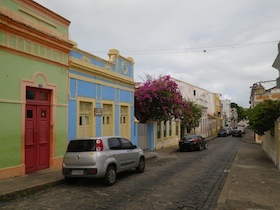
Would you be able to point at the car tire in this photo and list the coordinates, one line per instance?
(111, 176)
(181, 149)
(205, 145)
(200, 147)
(141, 167)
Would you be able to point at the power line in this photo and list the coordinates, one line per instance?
(193, 49)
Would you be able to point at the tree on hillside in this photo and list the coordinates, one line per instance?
(159, 100)
(263, 116)
(242, 114)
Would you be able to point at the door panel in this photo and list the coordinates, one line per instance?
(131, 154)
(107, 120)
(43, 136)
(30, 139)
(85, 120)
(117, 153)
(124, 128)
(37, 137)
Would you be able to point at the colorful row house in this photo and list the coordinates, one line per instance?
(51, 91)
(34, 50)
(101, 95)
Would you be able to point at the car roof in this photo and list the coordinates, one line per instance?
(96, 137)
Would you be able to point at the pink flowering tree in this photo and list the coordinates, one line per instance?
(160, 100)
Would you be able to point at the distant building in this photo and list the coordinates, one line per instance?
(234, 117)
(258, 95)
(226, 112)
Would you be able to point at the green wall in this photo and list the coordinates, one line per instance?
(61, 129)
(14, 68)
(10, 134)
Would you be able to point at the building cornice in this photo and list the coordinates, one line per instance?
(98, 71)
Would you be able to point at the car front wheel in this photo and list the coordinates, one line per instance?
(111, 176)
(141, 167)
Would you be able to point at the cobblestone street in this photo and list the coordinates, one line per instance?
(181, 180)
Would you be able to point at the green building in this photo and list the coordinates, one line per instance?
(34, 50)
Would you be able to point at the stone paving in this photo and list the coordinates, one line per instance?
(253, 181)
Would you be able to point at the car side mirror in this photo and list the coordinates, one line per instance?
(134, 146)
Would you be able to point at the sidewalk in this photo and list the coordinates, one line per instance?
(253, 181)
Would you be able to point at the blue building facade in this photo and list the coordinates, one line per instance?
(101, 95)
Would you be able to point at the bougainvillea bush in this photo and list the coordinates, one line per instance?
(160, 100)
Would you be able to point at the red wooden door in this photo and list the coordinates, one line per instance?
(30, 138)
(43, 140)
(37, 137)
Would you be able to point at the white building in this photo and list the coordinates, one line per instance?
(226, 112)
(201, 97)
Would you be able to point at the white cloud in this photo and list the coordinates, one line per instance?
(204, 43)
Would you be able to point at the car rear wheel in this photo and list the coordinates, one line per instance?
(200, 147)
(111, 176)
(205, 145)
(141, 167)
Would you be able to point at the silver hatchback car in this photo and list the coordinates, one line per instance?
(101, 157)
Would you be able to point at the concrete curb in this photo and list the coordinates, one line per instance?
(226, 187)
(29, 191)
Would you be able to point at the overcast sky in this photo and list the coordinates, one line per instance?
(220, 45)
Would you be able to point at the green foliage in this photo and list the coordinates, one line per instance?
(263, 115)
(241, 112)
(196, 114)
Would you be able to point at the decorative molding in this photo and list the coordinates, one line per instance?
(99, 82)
(21, 44)
(124, 67)
(108, 67)
(86, 59)
(93, 69)
(38, 18)
(11, 101)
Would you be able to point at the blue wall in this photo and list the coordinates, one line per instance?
(103, 89)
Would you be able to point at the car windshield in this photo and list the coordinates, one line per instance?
(81, 145)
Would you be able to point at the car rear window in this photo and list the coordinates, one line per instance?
(81, 146)
(189, 137)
